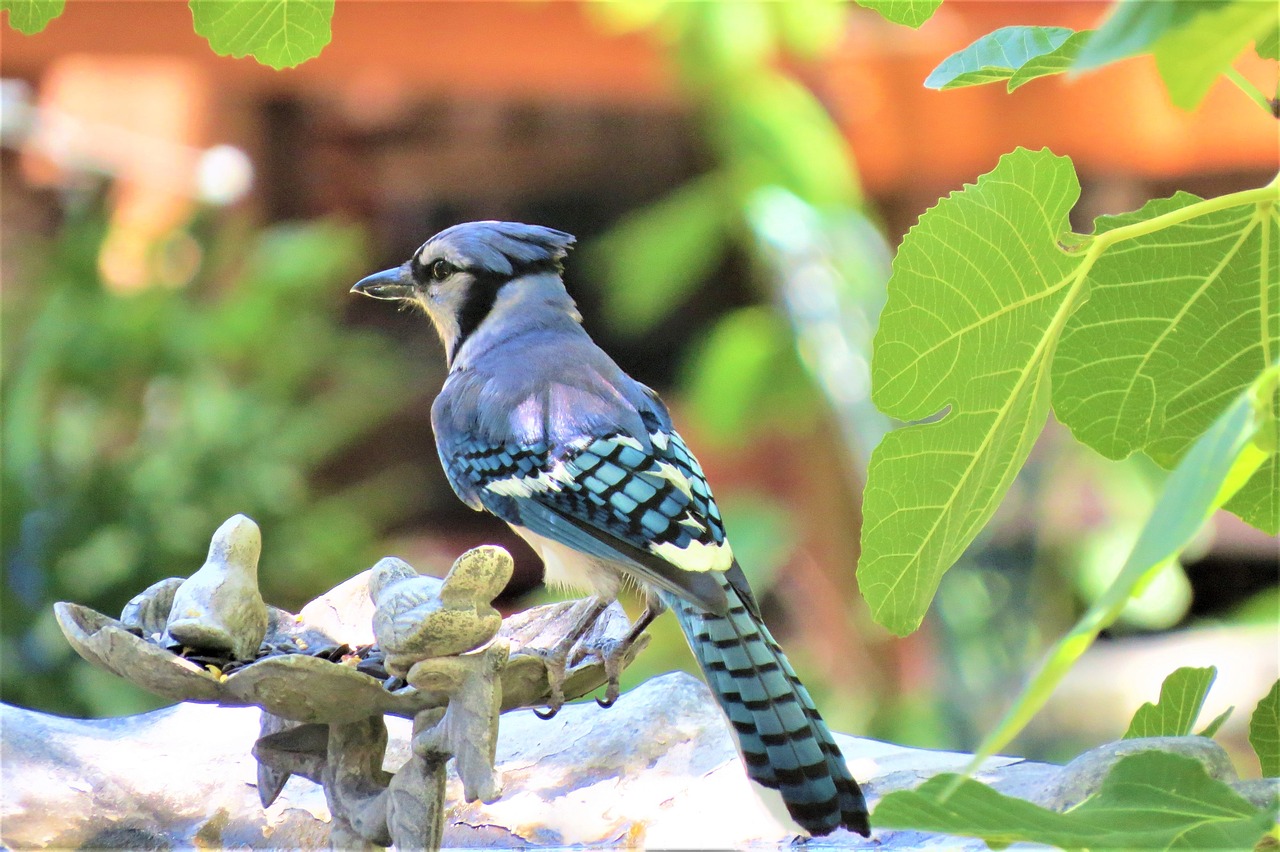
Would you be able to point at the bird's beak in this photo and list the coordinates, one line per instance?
(389, 284)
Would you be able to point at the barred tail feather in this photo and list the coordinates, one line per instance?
(784, 743)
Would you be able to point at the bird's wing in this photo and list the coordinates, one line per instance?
(647, 509)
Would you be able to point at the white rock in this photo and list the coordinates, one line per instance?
(658, 769)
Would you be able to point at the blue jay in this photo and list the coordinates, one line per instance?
(537, 425)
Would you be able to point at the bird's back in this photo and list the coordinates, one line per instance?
(566, 389)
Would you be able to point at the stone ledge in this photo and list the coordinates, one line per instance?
(657, 770)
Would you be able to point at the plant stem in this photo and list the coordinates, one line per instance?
(1252, 92)
(1261, 195)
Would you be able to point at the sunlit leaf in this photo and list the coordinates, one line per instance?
(1268, 47)
(1213, 727)
(1192, 57)
(1264, 732)
(978, 294)
(654, 257)
(1051, 63)
(911, 13)
(278, 33)
(31, 16)
(1177, 323)
(1149, 800)
(1135, 25)
(1181, 696)
(1016, 54)
(1217, 465)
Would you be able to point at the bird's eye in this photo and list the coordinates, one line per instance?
(441, 270)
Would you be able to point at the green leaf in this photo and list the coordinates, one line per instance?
(1149, 800)
(655, 257)
(1191, 58)
(1268, 47)
(1016, 54)
(911, 13)
(1181, 696)
(1212, 728)
(1264, 732)
(1178, 321)
(1135, 25)
(976, 301)
(1217, 465)
(1052, 63)
(31, 16)
(278, 33)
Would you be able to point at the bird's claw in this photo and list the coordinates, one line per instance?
(556, 661)
(577, 649)
(613, 654)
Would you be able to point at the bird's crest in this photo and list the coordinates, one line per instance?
(505, 248)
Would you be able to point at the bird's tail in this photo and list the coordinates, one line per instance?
(784, 743)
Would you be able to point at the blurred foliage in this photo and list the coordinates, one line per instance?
(1087, 521)
(136, 423)
(764, 127)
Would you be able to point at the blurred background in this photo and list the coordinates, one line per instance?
(179, 232)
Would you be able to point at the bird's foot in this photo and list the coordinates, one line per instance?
(556, 661)
(616, 653)
(613, 653)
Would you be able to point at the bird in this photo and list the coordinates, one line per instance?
(537, 425)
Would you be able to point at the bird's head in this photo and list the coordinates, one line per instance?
(479, 273)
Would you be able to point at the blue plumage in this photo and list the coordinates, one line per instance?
(616, 499)
(538, 426)
(498, 247)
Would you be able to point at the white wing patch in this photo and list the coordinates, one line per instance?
(671, 474)
(697, 556)
(628, 441)
(693, 523)
(527, 486)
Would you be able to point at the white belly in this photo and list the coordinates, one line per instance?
(572, 569)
